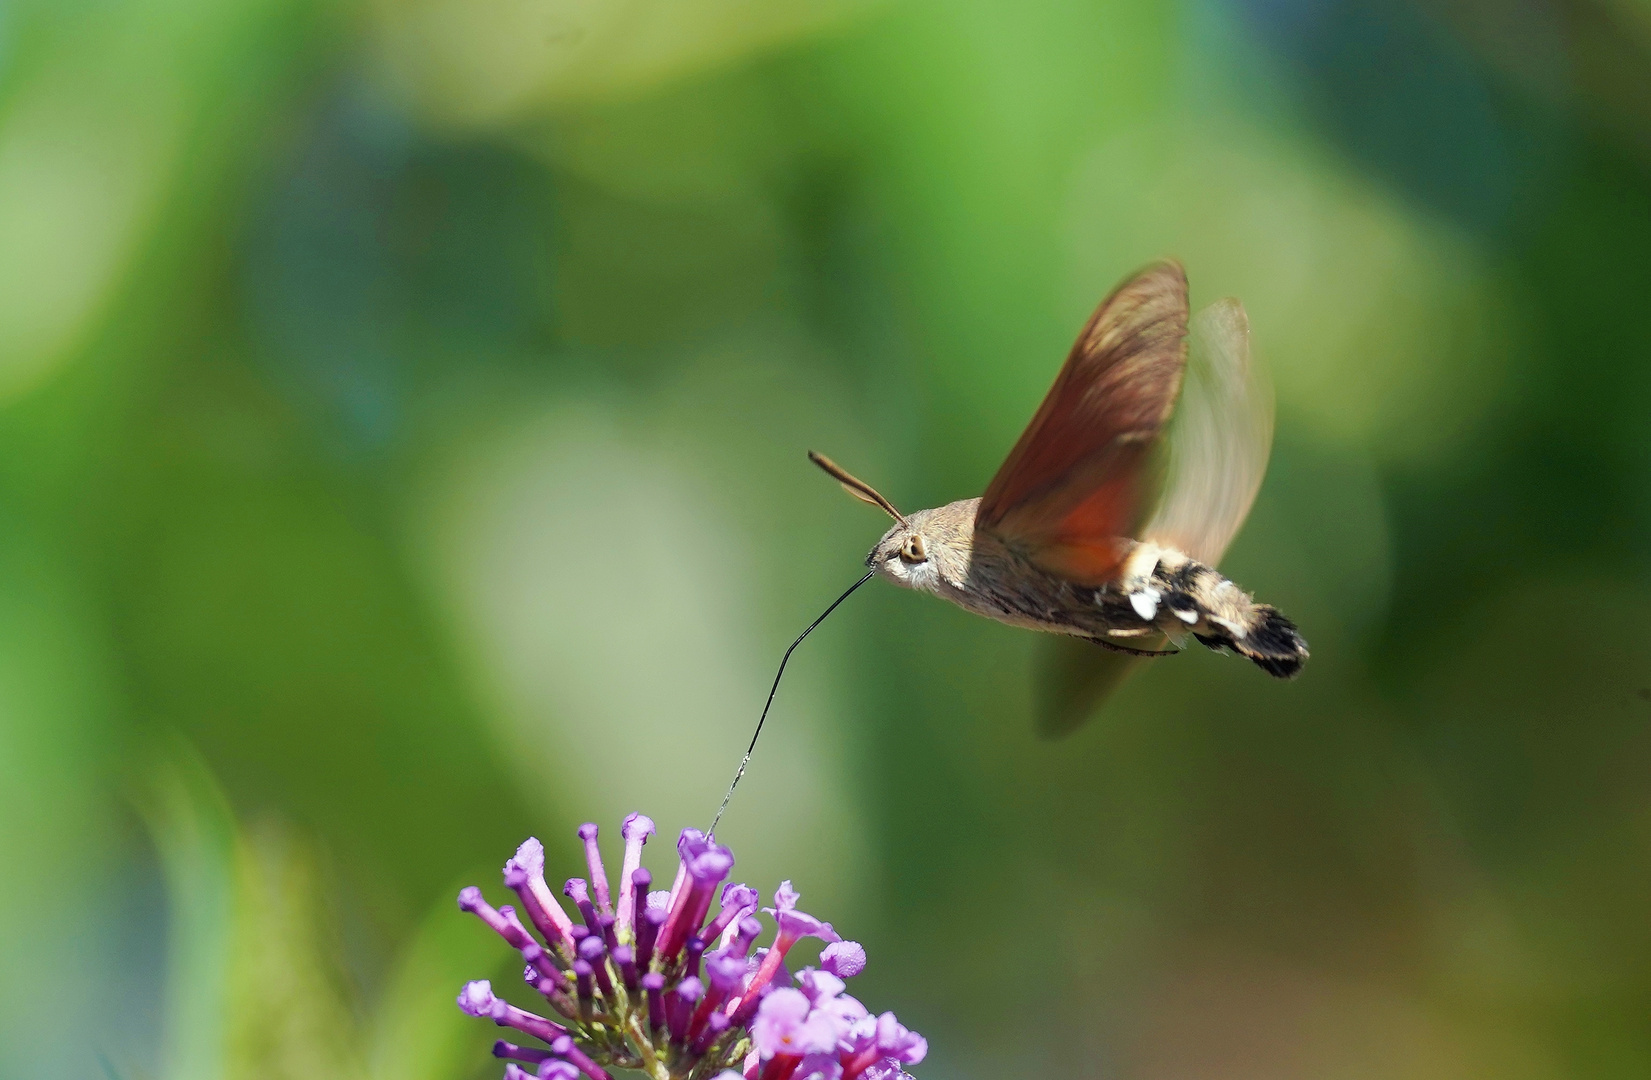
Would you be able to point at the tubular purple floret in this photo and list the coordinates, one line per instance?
(706, 871)
(715, 1025)
(737, 902)
(593, 859)
(578, 891)
(530, 949)
(679, 1004)
(653, 984)
(555, 993)
(610, 936)
(690, 844)
(624, 958)
(725, 972)
(558, 1069)
(512, 1071)
(580, 1059)
(505, 1014)
(746, 934)
(691, 954)
(566, 1048)
(635, 899)
(530, 1054)
(582, 981)
(505, 925)
(678, 883)
(525, 876)
(594, 953)
(647, 934)
(635, 831)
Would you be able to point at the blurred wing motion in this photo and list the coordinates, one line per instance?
(1219, 440)
(1073, 676)
(1080, 476)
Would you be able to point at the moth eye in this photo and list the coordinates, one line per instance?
(914, 551)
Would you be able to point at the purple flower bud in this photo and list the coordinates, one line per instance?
(844, 959)
(512, 1071)
(530, 1054)
(525, 876)
(557, 1069)
(593, 859)
(635, 830)
(476, 999)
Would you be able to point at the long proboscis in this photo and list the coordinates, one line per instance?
(772, 690)
(856, 486)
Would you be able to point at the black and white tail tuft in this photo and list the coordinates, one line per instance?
(1270, 640)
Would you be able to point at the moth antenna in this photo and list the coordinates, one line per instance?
(856, 486)
(772, 690)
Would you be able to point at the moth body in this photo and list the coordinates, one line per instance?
(1159, 593)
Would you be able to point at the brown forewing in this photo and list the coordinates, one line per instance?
(1079, 478)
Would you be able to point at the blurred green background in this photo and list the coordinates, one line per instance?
(402, 416)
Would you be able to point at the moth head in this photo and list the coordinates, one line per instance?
(904, 556)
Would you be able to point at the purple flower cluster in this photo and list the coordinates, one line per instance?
(652, 981)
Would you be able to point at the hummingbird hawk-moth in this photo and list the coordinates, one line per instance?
(1108, 518)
